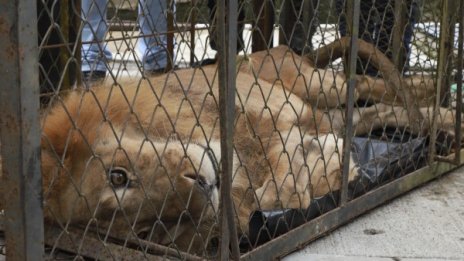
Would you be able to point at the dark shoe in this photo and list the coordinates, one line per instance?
(93, 76)
(205, 62)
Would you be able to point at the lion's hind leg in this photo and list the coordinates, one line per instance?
(287, 184)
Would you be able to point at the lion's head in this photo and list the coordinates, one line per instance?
(126, 183)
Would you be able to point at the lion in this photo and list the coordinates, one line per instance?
(140, 159)
(393, 101)
(136, 157)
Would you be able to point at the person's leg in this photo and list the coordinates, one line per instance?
(240, 24)
(413, 14)
(152, 46)
(367, 20)
(386, 9)
(94, 52)
(341, 12)
(384, 26)
(212, 30)
(365, 29)
(314, 22)
(367, 25)
(299, 23)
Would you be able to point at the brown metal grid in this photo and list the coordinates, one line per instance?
(103, 245)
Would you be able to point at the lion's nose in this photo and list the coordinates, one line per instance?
(196, 178)
(200, 181)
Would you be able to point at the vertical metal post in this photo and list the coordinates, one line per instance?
(354, 9)
(444, 46)
(453, 19)
(459, 83)
(398, 34)
(227, 36)
(20, 130)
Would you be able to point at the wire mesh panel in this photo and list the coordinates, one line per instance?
(235, 129)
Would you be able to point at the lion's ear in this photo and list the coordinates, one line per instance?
(59, 137)
(58, 143)
(57, 131)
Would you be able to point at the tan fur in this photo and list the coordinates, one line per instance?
(399, 99)
(287, 148)
(129, 126)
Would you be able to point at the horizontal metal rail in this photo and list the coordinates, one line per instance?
(91, 245)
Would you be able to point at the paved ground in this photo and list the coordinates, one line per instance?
(425, 224)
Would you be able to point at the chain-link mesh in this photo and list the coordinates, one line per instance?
(131, 143)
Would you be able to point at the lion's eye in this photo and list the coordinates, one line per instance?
(118, 177)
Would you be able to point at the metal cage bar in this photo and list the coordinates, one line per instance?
(355, 10)
(398, 32)
(459, 76)
(442, 90)
(19, 130)
(20, 140)
(227, 50)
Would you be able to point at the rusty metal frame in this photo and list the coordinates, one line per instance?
(20, 144)
(19, 130)
(398, 32)
(91, 244)
(354, 25)
(459, 76)
(443, 69)
(227, 31)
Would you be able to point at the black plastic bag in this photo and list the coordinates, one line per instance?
(380, 159)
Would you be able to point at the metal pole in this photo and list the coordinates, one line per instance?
(459, 82)
(398, 33)
(442, 61)
(20, 130)
(227, 38)
(354, 22)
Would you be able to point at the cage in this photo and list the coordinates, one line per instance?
(217, 129)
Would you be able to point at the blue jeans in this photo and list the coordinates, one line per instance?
(152, 46)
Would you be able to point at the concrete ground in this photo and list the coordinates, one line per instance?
(425, 224)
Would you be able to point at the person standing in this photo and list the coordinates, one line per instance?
(299, 20)
(151, 46)
(376, 23)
